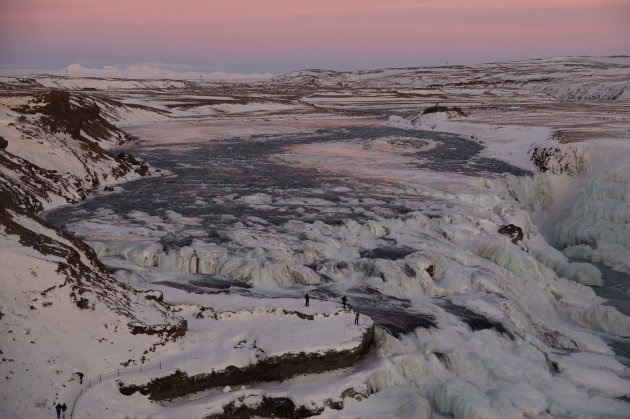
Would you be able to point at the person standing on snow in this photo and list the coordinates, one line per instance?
(344, 300)
(58, 409)
(80, 374)
(63, 410)
(356, 317)
(306, 297)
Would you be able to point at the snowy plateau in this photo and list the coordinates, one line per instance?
(159, 237)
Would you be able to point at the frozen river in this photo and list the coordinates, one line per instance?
(213, 164)
(403, 222)
(231, 175)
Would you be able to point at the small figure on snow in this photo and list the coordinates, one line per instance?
(344, 300)
(356, 317)
(80, 374)
(58, 409)
(306, 297)
(63, 410)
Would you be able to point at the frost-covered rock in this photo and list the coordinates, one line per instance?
(584, 273)
(605, 318)
(463, 400)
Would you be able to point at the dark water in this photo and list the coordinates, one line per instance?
(616, 290)
(207, 169)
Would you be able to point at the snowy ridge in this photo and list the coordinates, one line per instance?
(55, 142)
(563, 78)
(59, 82)
(54, 288)
(583, 90)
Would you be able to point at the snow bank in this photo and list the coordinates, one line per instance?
(583, 90)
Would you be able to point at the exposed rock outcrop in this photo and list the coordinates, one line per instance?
(558, 160)
(514, 231)
(55, 153)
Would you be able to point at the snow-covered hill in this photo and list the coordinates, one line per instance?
(55, 149)
(60, 312)
(563, 78)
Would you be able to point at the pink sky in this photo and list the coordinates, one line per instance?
(284, 35)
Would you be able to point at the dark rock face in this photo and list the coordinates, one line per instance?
(389, 253)
(173, 331)
(276, 407)
(557, 161)
(437, 108)
(269, 407)
(542, 156)
(141, 168)
(3, 143)
(474, 320)
(61, 114)
(279, 368)
(515, 232)
(34, 186)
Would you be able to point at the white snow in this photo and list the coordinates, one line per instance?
(511, 144)
(551, 318)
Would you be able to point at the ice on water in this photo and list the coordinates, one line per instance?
(530, 288)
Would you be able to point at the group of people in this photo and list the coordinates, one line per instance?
(344, 301)
(61, 408)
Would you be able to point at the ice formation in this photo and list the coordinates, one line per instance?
(586, 215)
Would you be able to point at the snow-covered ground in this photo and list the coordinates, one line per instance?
(354, 208)
(234, 331)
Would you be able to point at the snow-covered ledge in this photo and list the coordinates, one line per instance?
(260, 345)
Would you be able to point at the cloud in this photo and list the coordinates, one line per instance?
(136, 72)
